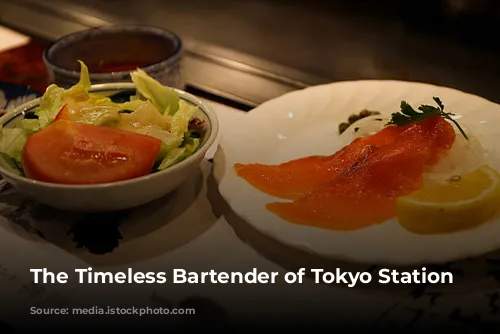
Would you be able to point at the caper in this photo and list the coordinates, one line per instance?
(343, 127)
(353, 118)
(364, 113)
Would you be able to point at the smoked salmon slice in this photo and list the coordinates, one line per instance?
(365, 193)
(291, 179)
(357, 186)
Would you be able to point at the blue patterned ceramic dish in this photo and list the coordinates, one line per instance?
(112, 52)
(118, 195)
(12, 95)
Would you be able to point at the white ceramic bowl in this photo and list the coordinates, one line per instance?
(116, 195)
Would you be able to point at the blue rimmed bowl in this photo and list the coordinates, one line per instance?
(13, 95)
(111, 52)
(115, 195)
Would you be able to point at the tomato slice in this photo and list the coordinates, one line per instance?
(77, 153)
(63, 113)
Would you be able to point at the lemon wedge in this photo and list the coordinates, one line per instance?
(461, 202)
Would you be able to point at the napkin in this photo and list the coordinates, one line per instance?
(10, 39)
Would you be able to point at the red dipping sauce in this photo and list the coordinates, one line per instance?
(111, 52)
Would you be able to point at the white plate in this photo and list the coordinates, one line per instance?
(305, 123)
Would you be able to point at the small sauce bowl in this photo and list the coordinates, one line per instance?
(112, 52)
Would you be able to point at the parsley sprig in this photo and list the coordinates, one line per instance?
(409, 115)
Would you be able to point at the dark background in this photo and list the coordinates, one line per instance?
(254, 50)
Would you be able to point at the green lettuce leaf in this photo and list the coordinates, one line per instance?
(168, 140)
(180, 120)
(165, 99)
(12, 142)
(80, 91)
(96, 110)
(176, 155)
(50, 104)
(99, 115)
(31, 126)
(146, 115)
(191, 145)
(173, 156)
(56, 97)
(133, 104)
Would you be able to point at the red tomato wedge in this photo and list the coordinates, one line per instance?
(63, 113)
(75, 153)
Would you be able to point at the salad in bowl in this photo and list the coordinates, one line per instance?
(105, 147)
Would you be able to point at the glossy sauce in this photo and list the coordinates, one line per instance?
(110, 66)
(114, 51)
